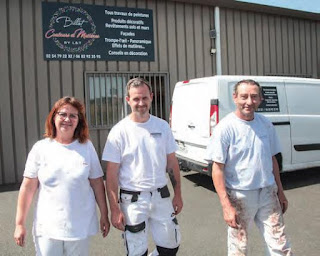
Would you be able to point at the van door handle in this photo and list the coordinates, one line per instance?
(191, 126)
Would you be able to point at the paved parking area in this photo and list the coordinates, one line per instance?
(202, 226)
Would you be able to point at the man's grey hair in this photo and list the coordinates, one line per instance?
(247, 81)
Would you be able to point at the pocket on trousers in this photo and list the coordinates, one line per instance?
(125, 198)
(164, 192)
(177, 232)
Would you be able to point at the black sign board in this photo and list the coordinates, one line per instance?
(91, 32)
(271, 101)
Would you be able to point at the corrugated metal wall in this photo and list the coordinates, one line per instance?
(252, 43)
(29, 85)
(264, 44)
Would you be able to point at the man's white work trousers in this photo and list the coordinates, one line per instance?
(149, 209)
(51, 247)
(261, 206)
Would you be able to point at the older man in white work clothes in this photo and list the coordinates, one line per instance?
(245, 173)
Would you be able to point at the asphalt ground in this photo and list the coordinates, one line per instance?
(202, 226)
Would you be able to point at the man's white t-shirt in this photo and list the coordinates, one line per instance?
(141, 149)
(246, 148)
(66, 206)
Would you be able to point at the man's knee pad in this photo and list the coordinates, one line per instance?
(167, 251)
(136, 240)
(136, 228)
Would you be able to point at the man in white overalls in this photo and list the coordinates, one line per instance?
(139, 151)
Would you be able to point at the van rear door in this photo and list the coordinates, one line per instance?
(190, 117)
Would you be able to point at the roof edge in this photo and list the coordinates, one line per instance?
(255, 7)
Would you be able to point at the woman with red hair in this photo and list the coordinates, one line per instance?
(65, 169)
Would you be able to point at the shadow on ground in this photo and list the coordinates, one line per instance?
(300, 178)
(290, 180)
(10, 187)
(201, 180)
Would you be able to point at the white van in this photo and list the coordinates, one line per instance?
(292, 105)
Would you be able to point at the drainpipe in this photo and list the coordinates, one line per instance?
(218, 45)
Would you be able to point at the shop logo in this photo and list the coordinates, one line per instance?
(72, 29)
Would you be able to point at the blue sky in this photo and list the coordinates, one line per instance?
(301, 5)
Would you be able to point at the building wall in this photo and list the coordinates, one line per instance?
(266, 44)
(30, 85)
(252, 43)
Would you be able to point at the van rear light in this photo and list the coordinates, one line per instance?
(170, 117)
(186, 81)
(214, 114)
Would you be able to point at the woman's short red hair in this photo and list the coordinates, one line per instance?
(81, 132)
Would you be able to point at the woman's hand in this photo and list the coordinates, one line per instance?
(20, 235)
(104, 225)
(26, 193)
